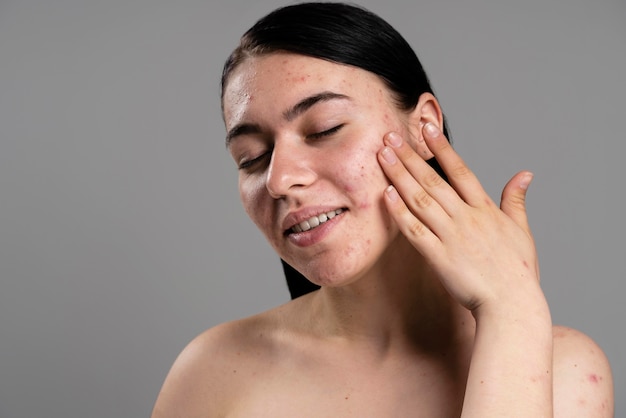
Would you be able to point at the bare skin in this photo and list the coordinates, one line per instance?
(430, 303)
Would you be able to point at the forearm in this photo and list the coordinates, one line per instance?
(511, 369)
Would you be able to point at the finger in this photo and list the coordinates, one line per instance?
(513, 201)
(417, 200)
(418, 234)
(459, 175)
(424, 174)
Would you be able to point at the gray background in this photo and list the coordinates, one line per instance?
(121, 232)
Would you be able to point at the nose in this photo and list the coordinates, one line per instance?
(290, 169)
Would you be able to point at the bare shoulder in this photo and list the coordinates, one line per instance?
(583, 384)
(215, 366)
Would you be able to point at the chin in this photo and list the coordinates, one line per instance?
(348, 259)
(336, 271)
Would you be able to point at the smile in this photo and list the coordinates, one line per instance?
(315, 221)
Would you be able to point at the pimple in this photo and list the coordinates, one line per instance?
(297, 78)
(593, 378)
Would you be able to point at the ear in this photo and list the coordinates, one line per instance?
(426, 110)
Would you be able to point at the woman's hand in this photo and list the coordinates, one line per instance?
(485, 256)
(482, 253)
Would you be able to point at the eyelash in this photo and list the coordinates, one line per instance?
(327, 132)
(248, 164)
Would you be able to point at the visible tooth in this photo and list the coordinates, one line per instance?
(315, 221)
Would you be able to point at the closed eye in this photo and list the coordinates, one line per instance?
(247, 164)
(328, 132)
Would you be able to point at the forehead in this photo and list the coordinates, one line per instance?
(276, 81)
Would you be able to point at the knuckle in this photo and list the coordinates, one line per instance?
(432, 179)
(460, 170)
(516, 201)
(421, 199)
(416, 229)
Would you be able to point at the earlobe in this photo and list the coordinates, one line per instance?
(427, 110)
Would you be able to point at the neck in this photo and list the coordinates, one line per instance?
(399, 302)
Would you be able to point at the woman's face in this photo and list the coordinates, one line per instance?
(304, 133)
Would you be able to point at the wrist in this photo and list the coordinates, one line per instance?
(526, 308)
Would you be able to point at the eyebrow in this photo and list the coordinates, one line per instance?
(289, 115)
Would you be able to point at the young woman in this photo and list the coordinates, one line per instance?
(429, 302)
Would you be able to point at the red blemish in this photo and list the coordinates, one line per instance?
(593, 378)
(525, 264)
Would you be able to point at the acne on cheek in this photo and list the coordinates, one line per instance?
(364, 205)
(359, 182)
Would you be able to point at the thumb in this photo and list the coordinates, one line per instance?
(513, 201)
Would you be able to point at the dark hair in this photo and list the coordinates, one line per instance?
(341, 33)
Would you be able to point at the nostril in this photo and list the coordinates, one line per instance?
(286, 172)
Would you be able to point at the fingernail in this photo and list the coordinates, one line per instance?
(525, 181)
(431, 130)
(389, 155)
(392, 193)
(394, 139)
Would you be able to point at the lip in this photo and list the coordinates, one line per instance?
(294, 218)
(315, 235)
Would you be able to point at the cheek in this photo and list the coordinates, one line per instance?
(363, 178)
(251, 196)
